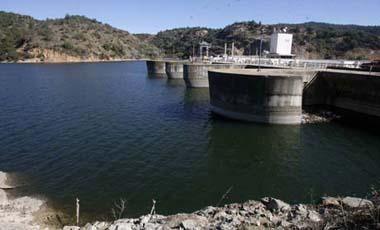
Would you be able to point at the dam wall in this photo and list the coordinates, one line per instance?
(265, 97)
(156, 68)
(196, 74)
(174, 69)
(349, 90)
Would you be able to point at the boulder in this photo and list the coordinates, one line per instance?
(330, 201)
(275, 204)
(145, 219)
(122, 226)
(208, 211)
(189, 224)
(3, 197)
(151, 226)
(101, 225)
(354, 202)
(71, 228)
(188, 220)
(285, 224)
(314, 216)
(300, 210)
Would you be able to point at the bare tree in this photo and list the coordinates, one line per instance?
(118, 209)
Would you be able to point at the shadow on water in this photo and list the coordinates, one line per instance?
(156, 76)
(175, 83)
(196, 104)
(257, 160)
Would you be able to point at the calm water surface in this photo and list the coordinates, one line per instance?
(102, 132)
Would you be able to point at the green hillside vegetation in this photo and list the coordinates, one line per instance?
(311, 40)
(25, 38)
(22, 37)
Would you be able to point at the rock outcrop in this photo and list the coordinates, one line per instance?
(269, 213)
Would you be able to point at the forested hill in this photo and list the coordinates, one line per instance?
(72, 38)
(76, 38)
(311, 40)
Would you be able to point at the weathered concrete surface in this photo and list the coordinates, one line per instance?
(267, 96)
(307, 75)
(174, 69)
(263, 66)
(196, 75)
(156, 68)
(349, 90)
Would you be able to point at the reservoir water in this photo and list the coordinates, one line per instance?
(106, 131)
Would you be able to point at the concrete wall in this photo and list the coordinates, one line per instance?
(353, 91)
(174, 69)
(249, 95)
(196, 75)
(156, 68)
(307, 75)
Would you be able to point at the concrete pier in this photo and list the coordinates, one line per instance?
(196, 74)
(354, 91)
(156, 68)
(174, 69)
(277, 96)
(267, 96)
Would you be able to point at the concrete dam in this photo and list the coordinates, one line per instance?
(271, 97)
(276, 96)
(195, 75)
(156, 68)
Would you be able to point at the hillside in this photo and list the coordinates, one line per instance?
(76, 38)
(311, 40)
(73, 38)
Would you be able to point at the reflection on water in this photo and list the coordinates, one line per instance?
(175, 83)
(267, 156)
(105, 131)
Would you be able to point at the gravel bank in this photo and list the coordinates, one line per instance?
(19, 213)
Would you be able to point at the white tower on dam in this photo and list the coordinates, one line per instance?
(281, 44)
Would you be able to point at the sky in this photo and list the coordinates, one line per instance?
(152, 16)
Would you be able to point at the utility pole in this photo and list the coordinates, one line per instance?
(225, 49)
(193, 52)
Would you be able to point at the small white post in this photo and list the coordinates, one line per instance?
(153, 210)
(77, 212)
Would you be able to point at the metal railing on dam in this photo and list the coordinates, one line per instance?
(289, 62)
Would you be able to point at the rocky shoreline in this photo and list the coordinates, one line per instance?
(18, 213)
(269, 213)
(321, 116)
